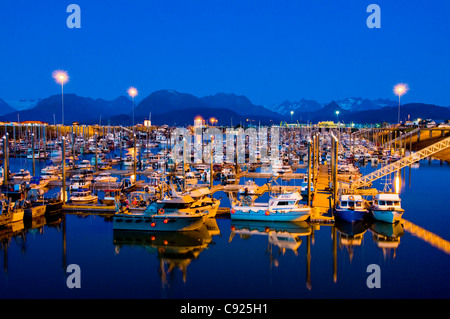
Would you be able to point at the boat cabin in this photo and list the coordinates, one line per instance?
(351, 202)
(285, 200)
(383, 200)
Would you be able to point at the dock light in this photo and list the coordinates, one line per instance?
(399, 90)
(61, 77)
(132, 92)
(213, 120)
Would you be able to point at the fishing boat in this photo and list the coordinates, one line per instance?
(110, 196)
(350, 208)
(22, 175)
(386, 207)
(53, 204)
(160, 220)
(280, 207)
(79, 182)
(105, 178)
(127, 184)
(83, 196)
(34, 205)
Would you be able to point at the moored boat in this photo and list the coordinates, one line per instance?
(386, 207)
(282, 207)
(83, 196)
(350, 208)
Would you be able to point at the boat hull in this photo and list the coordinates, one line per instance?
(350, 215)
(53, 207)
(92, 200)
(270, 216)
(35, 211)
(388, 216)
(144, 222)
(18, 216)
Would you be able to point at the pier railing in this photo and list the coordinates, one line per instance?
(405, 161)
(402, 136)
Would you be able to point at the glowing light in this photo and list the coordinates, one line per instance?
(198, 121)
(397, 183)
(132, 92)
(213, 120)
(60, 76)
(400, 89)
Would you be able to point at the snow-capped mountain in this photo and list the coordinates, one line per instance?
(352, 104)
(23, 104)
(303, 106)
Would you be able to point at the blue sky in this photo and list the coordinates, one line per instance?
(268, 50)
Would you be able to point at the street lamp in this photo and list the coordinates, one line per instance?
(61, 77)
(132, 92)
(399, 90)
(292, 113)
(337, 123)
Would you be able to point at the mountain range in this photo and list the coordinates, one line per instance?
(176, 108)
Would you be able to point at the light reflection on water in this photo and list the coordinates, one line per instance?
(229, 259)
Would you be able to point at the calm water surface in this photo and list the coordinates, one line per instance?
(227, 259)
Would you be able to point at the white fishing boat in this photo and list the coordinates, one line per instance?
(386, 207)
(83, 196)
(160, 220)
(281, 207)
(105, 178)
(79, 182)
(22, 175)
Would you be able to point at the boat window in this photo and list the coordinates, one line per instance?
(344, 204)
(283, 203)
(389, 203)
(396, 203)
(358, 204)
(351, 204)
(382, 202)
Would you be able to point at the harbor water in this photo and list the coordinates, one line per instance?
(226, 259)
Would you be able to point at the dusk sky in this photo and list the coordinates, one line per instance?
(268, 50)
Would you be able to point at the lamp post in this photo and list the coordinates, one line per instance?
(61, 77)
(337, 123)
(132, 92)
(292, 113)
(399, 90)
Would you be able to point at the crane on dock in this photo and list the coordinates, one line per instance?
(367, 180)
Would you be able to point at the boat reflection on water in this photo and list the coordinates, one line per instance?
(174, 249)
(387, 236)
(350, 234)
(284, 235)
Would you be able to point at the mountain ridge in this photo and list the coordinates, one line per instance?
(167, 105)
